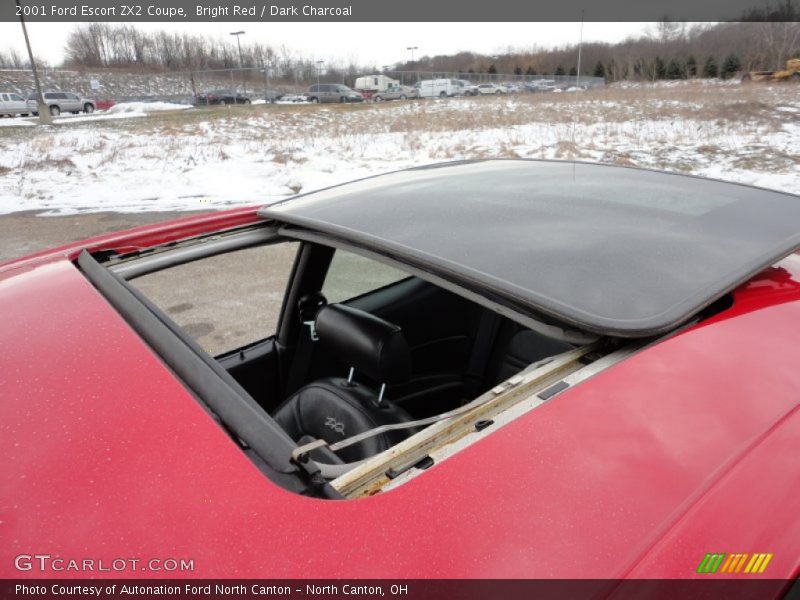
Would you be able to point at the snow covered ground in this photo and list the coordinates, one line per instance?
(144, 107)
(212, 158)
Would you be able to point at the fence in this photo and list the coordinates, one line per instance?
(256, 83)
(559, 81)
(266, 82)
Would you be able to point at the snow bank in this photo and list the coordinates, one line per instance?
(144, 107)
(16, 122)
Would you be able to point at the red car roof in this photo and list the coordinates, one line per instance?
(686, 448)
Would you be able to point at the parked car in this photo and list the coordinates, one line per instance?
(60, 102)
(440, 88)
(271, 96)
(104, 104)
(541, 85)
(293, 98)
(611, 373)
(222, 97)
(396, 92)
(470, 89)
(511, 87)
(491, 88)
(333, 92)
(13, 104)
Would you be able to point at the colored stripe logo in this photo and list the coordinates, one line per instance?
(720, 562)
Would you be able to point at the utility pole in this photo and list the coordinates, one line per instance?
(241, 62)
(580, 46)
(44, 110)
(266, 82)
(319, 68)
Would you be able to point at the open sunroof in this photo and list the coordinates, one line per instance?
(608, 249)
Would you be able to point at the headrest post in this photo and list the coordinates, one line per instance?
(381, 393)
(351, 374)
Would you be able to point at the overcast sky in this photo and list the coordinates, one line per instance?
(362, 43)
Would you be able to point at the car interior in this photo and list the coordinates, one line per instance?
(400, 352)
(365, 347)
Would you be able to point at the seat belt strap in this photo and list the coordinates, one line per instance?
(307, 308)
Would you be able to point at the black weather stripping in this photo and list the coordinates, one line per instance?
(205, 378)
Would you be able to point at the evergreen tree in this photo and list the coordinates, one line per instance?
(517, 70)
(530, 71)
(573, 71)
(675, 70)
(492, 70)
(691, 67)
(731, 66)
(659, 68)
(599, 70)
(471, 71)
(559, 70)
(710, 68)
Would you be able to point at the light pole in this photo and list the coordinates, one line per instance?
(412, 48)
(241, 62)
(319, 68)
(44, 110)
(580, 45)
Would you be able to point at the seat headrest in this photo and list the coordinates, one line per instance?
(365, 342)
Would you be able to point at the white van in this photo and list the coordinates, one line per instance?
(440, 88)
(12, 104)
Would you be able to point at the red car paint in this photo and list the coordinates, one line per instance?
(686, 448)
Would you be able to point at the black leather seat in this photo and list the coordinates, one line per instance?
(338, 407)
(517, 347)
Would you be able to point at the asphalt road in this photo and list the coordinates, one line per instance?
(22, 233)
(224, 302)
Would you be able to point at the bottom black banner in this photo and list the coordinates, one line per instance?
(469, 589)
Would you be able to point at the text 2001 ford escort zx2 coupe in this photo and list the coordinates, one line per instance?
(508, 369)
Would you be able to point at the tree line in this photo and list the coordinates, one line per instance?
(669, 50)
(124, 47)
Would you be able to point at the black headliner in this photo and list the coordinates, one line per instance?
(609, 249)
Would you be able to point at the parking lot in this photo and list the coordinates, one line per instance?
(24, 232)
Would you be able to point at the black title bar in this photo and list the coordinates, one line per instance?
(183, 11)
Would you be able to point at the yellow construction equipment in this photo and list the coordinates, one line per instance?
(791, 73)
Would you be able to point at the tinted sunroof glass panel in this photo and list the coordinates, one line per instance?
(610, 249)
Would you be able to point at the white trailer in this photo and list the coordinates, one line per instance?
(374, 83)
